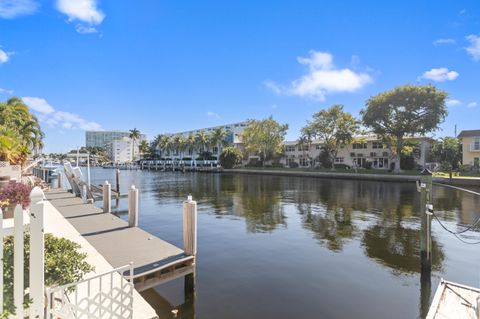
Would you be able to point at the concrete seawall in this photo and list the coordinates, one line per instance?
(355, 176)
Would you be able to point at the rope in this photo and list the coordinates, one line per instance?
(460, 232)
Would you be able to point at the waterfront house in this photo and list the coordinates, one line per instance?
(470, 140)
(123, 150)
(364, 149)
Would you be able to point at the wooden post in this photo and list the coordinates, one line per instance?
(117, 181)
(107, 197)
(37, 259)
(60, 180)
(426, 222)
(84, 193)
(18, 262)
(190, 226)
(133, 207)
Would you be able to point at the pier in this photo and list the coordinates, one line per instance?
(155, 261)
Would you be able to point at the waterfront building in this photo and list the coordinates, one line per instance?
(364, 149)
(123, 150)
(470, 140)
(102, 138)
(234, 138)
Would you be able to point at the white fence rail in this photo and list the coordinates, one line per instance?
(107, 295)
(23, 221)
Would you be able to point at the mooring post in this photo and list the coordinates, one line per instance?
(426, 221)
(117, 181)
(190, 226)
(107, 197)
(84, 193)
(59, 180)
(133, 207)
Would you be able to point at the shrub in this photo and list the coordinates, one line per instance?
(465, 168)
(230, 157)
(64, 264)
(15, 194)
(407, 162)
(342, 166)
(277, 164)
(293, 165)
(325, 159)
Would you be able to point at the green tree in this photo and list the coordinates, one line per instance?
(134, 135)
(20, 132)
(218, 138)
(143, 147)
(448, 151)
(264, 138)
(404, 111)
(230, 157)
(334, 127)
(202, 141)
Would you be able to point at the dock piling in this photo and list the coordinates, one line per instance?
(117, 181)
(60, 180)
(107, 197)
(133, 207)
(84, 193)
(190, 226)
(426, 221)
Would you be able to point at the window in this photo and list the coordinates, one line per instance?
(377, 145)
(289, 148)
(358, 146)
(317, 146)
(476, 143)
(290, 161)
(339, 159)
(304, 161)
(303, 148)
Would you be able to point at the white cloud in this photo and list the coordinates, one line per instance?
(213, 114)
(38, 104)
(453, 102)
(474, 48)
(321, 79)
(52, 118)
(440, 75)
(5, 91)
(85, 11)
(4, 56)
(472, 104)
(85, 29)
(445, 41)
(10, 9)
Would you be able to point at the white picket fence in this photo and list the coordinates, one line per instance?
(31, 221)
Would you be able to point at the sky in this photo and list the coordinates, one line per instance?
(168, 66)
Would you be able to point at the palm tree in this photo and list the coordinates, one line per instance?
(134, 135)
(218, 138)
(164, 144)
(20, 131)
(143, 147)
(202, 141)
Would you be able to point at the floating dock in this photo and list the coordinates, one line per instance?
(154, 260)
(453, 301)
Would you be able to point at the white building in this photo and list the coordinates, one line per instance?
(123, 150)
(102, 138)
(366, 149)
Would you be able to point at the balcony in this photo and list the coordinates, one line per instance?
(475, 147)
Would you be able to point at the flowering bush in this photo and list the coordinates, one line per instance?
(15, 194)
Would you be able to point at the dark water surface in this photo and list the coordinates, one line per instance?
(287, 247)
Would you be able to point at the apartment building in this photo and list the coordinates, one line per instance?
(470, 140)
(123, 150)
(102, 138)
(365, 149)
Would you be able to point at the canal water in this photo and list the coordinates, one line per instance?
(287, 247)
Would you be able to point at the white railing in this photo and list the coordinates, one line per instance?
(25, 221)
(106, 295)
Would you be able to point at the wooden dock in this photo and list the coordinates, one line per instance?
(155, 261)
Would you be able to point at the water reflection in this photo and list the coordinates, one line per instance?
(252, 227)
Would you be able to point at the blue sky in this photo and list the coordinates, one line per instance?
(167, 66)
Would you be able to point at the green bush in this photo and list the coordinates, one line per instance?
(407, 162)
(64, 264)
(293, 165)
(230, 157)
(277, 165)
(341, 166)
